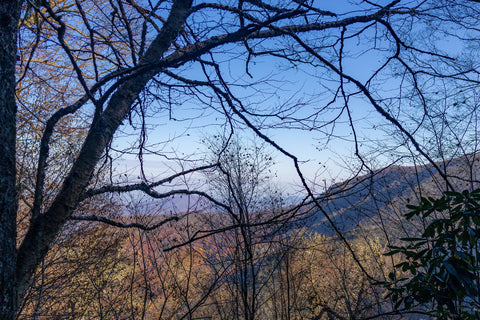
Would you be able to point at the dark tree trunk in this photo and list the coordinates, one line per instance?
(9, 17)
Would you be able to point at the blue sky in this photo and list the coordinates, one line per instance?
(326, 154)
(321, 164)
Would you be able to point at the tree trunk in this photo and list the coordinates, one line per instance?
(44, 228)
(9, 17)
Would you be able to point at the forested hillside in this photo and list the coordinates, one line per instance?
(378, 200)
(300, 269)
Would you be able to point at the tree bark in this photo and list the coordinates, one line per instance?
(9, 17)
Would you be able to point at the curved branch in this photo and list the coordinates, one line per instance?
(123, 225)
(253, 31)
(142, 186)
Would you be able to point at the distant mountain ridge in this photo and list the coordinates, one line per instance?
(379, 199)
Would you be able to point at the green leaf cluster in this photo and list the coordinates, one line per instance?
(439, 270)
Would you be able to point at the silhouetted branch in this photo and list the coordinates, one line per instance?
(123, 225)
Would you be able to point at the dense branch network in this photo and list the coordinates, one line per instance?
(89, 67)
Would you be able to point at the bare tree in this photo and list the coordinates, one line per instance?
(243, 181)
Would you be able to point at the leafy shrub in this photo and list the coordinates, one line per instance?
(440, 270)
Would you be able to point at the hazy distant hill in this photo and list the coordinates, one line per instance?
(379, 200)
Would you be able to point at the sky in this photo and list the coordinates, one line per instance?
(322, 163)
(326, 155)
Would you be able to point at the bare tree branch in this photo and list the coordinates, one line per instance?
(142, 186)
(123, 225)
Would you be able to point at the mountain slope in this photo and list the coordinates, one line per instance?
(378, 200)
